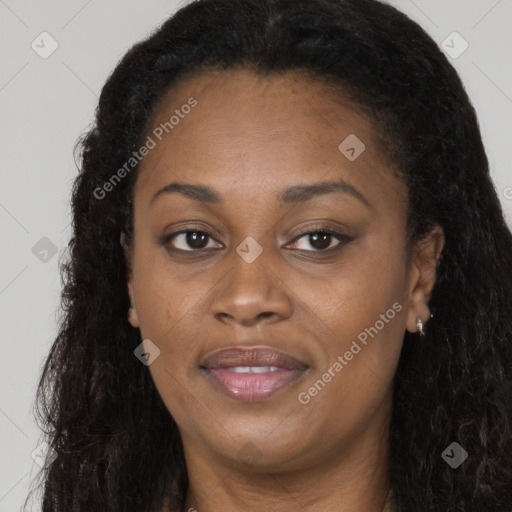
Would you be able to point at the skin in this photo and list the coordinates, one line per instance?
(249, 137)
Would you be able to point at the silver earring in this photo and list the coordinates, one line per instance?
(419, 324)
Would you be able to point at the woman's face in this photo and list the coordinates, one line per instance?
(247, 276)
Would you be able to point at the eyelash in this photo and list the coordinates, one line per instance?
(343, 239)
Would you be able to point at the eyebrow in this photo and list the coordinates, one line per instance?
(293, 194)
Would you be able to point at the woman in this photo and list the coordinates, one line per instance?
(289, 277)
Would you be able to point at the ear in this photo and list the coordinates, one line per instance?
(132, 313)
(422, 276)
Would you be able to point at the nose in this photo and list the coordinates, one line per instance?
(251, 293)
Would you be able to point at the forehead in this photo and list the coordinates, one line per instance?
(260, 133)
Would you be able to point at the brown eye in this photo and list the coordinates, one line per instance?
(320, 240)
(189, 240)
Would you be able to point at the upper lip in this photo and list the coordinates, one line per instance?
(254, 356)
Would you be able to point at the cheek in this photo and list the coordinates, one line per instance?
(364, 345)
(163, 298)
(366, 285)
(166, 309)
(169, 316)
(365, 312)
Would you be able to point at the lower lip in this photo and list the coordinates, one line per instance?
(252, 387)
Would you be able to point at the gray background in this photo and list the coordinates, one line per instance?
(46, 104)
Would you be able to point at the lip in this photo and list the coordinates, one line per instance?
(284, 371)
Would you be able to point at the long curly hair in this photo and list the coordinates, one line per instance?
(117, 447)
